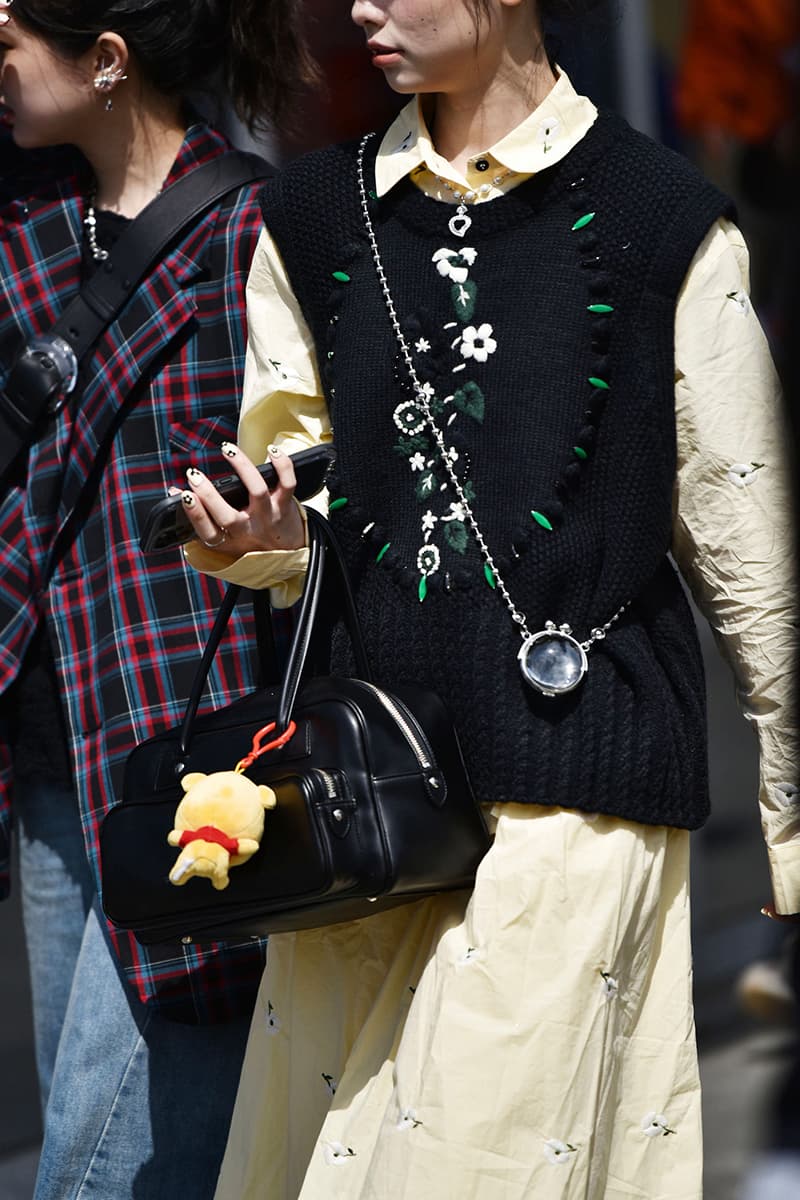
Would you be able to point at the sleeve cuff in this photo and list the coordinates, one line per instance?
(784, 865)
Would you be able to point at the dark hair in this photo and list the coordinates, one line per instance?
(181, 46)
(556, 17)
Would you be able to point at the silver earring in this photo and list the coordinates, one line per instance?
(106, 81)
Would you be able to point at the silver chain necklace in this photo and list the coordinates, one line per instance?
(90, 225)
(552, 660)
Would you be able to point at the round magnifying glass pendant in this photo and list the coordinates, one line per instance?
(552, 662)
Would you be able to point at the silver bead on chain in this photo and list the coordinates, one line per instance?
(472, 195)
(90, 225)
(422, 398)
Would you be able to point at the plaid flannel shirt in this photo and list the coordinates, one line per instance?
(161, 392)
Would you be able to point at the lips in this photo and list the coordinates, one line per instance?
(383, 56)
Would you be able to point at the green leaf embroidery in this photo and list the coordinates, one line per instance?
(381, 552)
(340, 503)
(469, 491)
(341, 276)
(426, 485)
(470, 400)
(600, 308)
(541, 519)
(422, 590)
(580, 453)
(595, 381)
(464, 296)
(455, 534)
(583, 221)
(408, 446)
(489, 575)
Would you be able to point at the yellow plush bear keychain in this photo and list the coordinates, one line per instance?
(220, 820)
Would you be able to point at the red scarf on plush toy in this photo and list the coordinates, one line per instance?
(209, 833)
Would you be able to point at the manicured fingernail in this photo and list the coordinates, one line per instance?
(173, 491)
(194, 474)
(274, 451)
(188, 499)
(229, 449)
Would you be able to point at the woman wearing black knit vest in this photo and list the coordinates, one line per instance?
(574, 320)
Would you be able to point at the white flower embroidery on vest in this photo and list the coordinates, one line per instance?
(408, 418)
(610, 985)
(428, 560)
(273, 1021)
(408, 1120)
(559, 1153)
(740, 300)
(655, 1125)
(330, 1083)
(422, 346)
(429, 522)
(417, 462)
(336, 1154)
(478, 343)
(743, 474)
(455, 264)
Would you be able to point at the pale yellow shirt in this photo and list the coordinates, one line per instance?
(732, 534)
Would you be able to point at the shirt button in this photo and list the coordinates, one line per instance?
(481, 164)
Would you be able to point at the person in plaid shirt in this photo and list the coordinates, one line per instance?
(138, 1051)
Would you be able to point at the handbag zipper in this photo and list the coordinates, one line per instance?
(423, 755)
(330, 784)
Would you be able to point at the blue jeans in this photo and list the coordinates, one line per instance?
(136, 1107)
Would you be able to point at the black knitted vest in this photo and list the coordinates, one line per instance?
(546, 336)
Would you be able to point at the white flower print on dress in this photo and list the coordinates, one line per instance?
(455, 264)
(610, 985)
(787, 794)
(654, 1124)
(740, 300)
(470, 955)
(336, 1154)
(408, 1120)
(743, 474)
(417, 462)
(273, 1021)
(559, 1153)
(478, 343)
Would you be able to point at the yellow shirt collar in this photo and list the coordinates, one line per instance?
(543, 138)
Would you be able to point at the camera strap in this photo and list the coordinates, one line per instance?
(45, 372)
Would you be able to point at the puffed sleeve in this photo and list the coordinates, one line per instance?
(733, 532)
(282, 405)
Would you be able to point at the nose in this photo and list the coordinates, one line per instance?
(366, 12)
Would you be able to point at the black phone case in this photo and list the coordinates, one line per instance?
(168, 526)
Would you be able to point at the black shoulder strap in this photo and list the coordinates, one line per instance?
(35, 384)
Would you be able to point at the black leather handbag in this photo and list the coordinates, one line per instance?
(374, 807)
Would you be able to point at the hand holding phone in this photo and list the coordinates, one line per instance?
(168, 525)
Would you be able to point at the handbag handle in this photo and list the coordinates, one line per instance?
(321, 541)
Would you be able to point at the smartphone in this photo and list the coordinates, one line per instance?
(168, 526)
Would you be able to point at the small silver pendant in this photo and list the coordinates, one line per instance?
(461, 222)
(552, 661)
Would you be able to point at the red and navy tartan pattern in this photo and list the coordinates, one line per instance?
(161, 392)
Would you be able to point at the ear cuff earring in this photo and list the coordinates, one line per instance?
(106, 81)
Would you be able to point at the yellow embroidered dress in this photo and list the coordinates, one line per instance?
(533, 1038)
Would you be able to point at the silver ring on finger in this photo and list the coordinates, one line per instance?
(223, 534)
